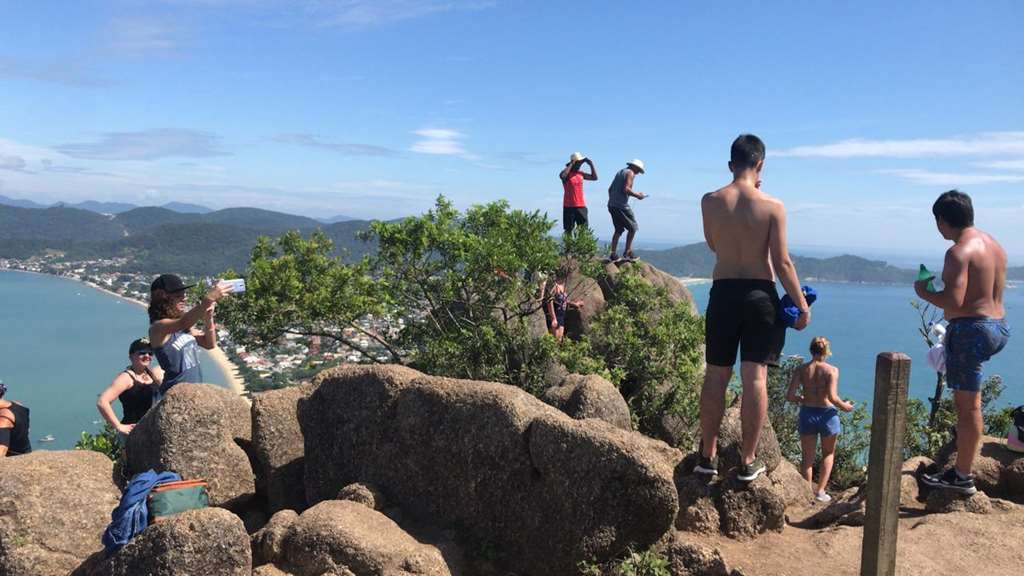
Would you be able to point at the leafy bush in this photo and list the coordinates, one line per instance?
(646, 563)
(105, 442)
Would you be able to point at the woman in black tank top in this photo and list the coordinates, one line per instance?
(134, 387)
(14, 426)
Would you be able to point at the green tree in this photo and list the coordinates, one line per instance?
(104, 442)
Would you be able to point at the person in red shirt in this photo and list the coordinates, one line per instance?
(574, 207)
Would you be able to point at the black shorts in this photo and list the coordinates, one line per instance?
(743, 314)
(574, 216)
(623, 219)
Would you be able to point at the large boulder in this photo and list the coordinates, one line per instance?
(205, 542)
(268, 543)
(590, 396)
(739, 510)
(196, 431)
(336, 535)
(503, 468)
(749, 509)
(54, 507)
(279, 447)
(998, 471)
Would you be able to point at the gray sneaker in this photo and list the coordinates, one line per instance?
(750, 472)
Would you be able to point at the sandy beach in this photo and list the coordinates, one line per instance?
(227, 367)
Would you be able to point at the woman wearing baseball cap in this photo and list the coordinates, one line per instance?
(135, 387)
(172, 334)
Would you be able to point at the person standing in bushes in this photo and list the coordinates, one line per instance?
(974, 278)
(14, 426)
(746, 229)
(135, 387)
(815, 387)
(172, 333)
(558, 303)
(623, 218)
(574, 206)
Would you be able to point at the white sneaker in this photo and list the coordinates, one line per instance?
(823, 497)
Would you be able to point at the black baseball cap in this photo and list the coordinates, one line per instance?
(169, 283)
(140, 345)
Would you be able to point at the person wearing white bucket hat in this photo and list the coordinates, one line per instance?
(618, 206)
(574, 206)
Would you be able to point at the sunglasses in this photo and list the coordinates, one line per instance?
(144, 353)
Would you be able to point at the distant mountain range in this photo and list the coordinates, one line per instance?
(162, 239)
(121, 207)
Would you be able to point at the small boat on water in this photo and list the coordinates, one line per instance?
(47, 438)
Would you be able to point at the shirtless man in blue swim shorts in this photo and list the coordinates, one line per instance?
(746, 229)
(974, 276)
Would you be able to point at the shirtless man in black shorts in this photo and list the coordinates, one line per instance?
(746, 229)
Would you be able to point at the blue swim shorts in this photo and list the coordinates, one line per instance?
(815, 421)
(969, 343)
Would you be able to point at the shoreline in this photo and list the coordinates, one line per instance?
(220, 358)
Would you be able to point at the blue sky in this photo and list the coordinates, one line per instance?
(373, 108)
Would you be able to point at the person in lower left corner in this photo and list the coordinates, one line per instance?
(14, 427)
(815, 387)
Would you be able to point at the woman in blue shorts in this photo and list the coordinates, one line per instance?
(815, 387)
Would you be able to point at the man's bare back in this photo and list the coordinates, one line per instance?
(978, 260)
(738, 225)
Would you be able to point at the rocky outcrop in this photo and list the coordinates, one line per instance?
(54, 507)
(342, 537)
(590, 396)
(692, 559)
(195, 431)
(279, 448)
(206, 542)
(363, 494)
(997, 471)
(509, 472)
(790, 485)
(725, 505)
(268, 543)
(946, 501)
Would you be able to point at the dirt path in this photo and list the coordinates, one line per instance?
(956, 544)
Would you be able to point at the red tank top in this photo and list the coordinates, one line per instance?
(573, 186)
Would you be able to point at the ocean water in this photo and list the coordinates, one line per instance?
(61, 343)
(863, 320)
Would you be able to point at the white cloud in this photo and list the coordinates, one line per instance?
(147, 145)
(949, 179)
(441, 141)
(143, 37)
(67, 72)
(344, 148)
(16, 163)
(985, 144)
(345, 13)
(1017, 165)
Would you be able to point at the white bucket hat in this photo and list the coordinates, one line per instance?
(576, 157)
(636, 163)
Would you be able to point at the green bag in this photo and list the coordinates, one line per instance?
(172, 498)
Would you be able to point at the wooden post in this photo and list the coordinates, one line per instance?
(888, 424)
